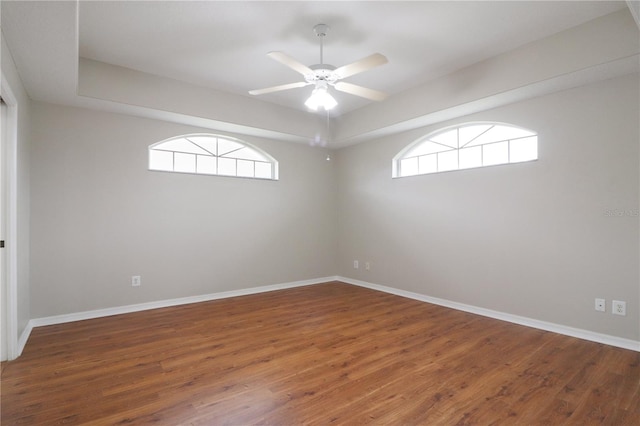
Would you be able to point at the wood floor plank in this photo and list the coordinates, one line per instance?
(323, 354)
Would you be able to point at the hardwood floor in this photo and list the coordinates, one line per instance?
(323, 354)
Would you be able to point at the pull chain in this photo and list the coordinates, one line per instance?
(328, 136)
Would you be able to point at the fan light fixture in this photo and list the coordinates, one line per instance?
(324, 75)
(320, 98)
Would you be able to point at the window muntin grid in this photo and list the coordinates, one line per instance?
(467, 146)
(212, 155)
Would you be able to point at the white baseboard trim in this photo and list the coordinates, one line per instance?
(529, 322)
(99, 313)
(24, 337)
(516, 319)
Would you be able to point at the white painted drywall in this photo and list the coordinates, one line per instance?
(240, 114)
(535, 67)
(634, 8)
(99, 216)
(538, 240)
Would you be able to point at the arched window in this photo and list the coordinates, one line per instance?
(212, 155)
(467, 146)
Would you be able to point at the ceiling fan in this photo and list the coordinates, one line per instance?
(324, 75)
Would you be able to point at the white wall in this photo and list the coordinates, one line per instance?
(99, 217)
(22, 188)
(606, 45)
(539, 240)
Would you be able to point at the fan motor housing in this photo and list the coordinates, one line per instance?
(322, 72)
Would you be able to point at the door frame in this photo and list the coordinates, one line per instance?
(9, 171)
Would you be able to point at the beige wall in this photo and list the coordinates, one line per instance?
(544, 66)
(539, 240)
(99, 217)
(534, 239)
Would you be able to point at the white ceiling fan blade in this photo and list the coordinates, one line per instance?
(278, 88)
(362, 65)
(287, 60)
(363, 92)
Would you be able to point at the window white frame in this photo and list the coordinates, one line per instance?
(465, 146)
(210, 154)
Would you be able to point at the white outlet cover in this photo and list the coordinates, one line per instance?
(600, 305)
(619, 307)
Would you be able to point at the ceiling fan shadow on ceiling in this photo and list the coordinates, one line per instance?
(323, 76)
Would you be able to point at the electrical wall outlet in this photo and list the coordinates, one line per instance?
(367, 266)
(136, 281)
(600, 305)
(356, 264)
(619, 307)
